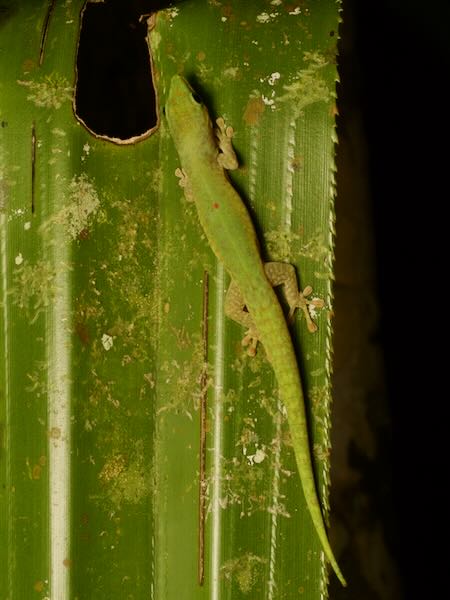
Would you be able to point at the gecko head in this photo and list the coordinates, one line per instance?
(184, 110)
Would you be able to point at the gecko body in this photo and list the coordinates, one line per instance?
(205, 154)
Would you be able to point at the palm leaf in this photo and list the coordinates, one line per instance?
(107, 284)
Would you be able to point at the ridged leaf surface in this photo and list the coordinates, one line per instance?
(115, 354)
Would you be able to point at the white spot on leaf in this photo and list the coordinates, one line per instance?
(266, 17)
(107, 341)
(259, 456)
(273, 78)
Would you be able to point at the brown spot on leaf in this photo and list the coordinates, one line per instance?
(28, 65)
(83, 333)
(84, 234)
(297, 163)
(55, 433)
(227, 11)
(253, 111)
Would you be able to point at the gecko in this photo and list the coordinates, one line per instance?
(206, 153)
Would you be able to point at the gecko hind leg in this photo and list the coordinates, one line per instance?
(184, 184)
(278, 274)
(284, 274)
(235, 309)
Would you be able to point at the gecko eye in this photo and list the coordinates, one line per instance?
(197, 98)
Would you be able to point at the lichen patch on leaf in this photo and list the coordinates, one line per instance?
(81, 209)
(126, 479)
(315, 248)
(265, 17)
(244, 570)
(51, 91)
(308, 85)
(33, 287)
(281, 244)
(183, 381)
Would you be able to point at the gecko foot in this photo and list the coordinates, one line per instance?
(306, 305)
(184, 184)
(224, 134)
(250, 341)
(182, 177)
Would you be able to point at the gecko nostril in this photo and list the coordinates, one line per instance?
(197, 98)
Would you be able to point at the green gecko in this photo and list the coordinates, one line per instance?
(205, 153)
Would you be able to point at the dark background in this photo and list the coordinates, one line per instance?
(397, 73)
(390, 269)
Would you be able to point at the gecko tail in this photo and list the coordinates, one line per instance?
(274, 335)
(304, 463)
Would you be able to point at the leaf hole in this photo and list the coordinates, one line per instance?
(115, 96)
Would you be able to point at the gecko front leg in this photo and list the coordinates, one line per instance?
(278, 274)
(227, 156)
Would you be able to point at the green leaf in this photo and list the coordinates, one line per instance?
(105, 280)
